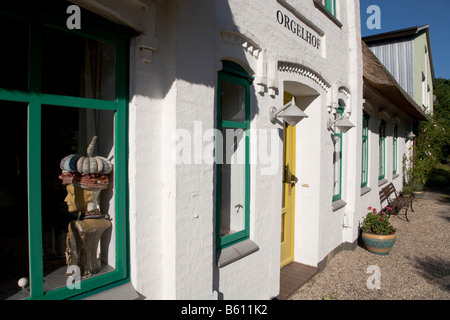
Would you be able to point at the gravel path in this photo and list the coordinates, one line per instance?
(418, 267)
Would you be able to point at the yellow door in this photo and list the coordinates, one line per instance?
(287, 211)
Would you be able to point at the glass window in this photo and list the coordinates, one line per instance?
(232, 205)
(365, 151)
(233, 171)
(395, 149)
(14, 201)
(77, 225)
(66, 218)
(14, 53)
(337, 157)
(381, 150)
(330, 5)
(78, 66)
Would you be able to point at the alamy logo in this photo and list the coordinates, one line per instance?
(374, 281)
(74, 279)
(374, 21)
(227, 146)
(74, 21)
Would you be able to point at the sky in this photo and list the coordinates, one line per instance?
(401, 14)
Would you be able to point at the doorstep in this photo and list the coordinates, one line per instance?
(293, 276)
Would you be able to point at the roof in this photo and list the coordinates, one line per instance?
(396, 34)
(376, 74)
(406, 33)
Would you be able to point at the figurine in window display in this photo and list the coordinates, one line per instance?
(85, 178)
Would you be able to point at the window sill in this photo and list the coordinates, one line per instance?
(235, 252)
(338, 204)
(122, 292)
(382, 181)
(325, 11)
(365, 190)
(396, 175)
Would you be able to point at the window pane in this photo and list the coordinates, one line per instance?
(232, 208)
(13, 201)
(78, 66)
(14, 54)
(78, 216)
(337, 165)
(364, 161)
(233, 102)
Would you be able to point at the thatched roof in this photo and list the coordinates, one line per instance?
(376, 75)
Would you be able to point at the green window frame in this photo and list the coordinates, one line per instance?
(382, 151)
(234, 75)
(35, 99)
(330, 5)
(337, 157)
(365, 151)
(395, 150)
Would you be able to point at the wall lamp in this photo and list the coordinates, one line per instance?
(411, 136)
(289, 113)
(341, 123)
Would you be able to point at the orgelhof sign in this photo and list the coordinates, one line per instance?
(299, 29)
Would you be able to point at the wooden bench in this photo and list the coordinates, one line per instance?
(396, 201)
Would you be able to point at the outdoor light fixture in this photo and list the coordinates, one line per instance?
(289, 113)
(411, 136)
(341, 123)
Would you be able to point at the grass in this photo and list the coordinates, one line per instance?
(439, 177)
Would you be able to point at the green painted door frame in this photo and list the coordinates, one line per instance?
(35, 100)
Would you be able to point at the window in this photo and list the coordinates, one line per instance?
(395, 150)
(330, 5)
(365, 151)
(424, 90)
(58, 89)
(337, 157)
(381, 150)
(233, 166)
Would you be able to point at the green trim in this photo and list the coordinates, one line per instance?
(340, 112)
(233, 73)
(235, 69)
(382, 151)
(365, 151)
(100, 289)
(34, 166)
(331, 7)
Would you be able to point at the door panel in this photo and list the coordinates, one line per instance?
(288, 197)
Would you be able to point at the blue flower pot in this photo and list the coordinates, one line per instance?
(378, 243)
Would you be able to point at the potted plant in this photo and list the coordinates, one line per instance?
(417, 187)
(378, 234)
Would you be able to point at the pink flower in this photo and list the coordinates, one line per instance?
(382, 219)
(369, 208)
(374, 210)
(389, 208)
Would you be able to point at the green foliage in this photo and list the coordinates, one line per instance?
(441, 108)
(432, 145)
(377, 223)
(439, 177)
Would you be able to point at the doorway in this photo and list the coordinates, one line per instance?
(288, 190)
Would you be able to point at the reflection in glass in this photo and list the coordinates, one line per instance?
(77, 66)
(77, 209)
(233, 102)
(13, 201)
(13, 54)
(232, 208)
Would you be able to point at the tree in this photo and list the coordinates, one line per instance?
(432, 145)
